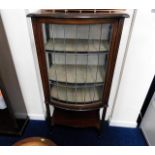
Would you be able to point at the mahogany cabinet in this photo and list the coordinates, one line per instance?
(77, 51)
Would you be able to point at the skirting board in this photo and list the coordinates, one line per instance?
(123, 124)
(36, 116)
(31, 116)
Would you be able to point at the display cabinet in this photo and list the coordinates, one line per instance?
(77, 50)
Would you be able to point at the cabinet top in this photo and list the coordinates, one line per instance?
(80, 13)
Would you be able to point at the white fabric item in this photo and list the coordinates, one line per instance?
(2, 102)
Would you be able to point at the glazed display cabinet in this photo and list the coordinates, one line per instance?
(77, 51)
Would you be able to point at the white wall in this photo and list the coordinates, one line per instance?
(139, 61)
(119, 63)
(15, 24)
(138, 72)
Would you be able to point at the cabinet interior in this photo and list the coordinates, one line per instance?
(76, 59)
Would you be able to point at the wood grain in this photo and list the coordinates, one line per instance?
(76, 119)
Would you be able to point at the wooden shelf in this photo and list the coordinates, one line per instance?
(76, 118)
(79, 74)
(81, 95)
(77, 46)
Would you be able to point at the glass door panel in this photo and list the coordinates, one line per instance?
(76, 58)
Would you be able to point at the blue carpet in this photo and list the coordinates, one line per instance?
(65, 136)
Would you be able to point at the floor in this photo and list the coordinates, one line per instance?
(65, 136)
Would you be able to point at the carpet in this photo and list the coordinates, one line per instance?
(67, 136)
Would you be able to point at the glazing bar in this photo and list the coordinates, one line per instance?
(49, 59)
(54, 61)
(109, 34)
(87, 63)
(65, 60)
(46, 37)
(76, 96)
(98, 59)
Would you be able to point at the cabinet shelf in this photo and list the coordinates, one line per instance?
(77, 46)
(75, 85)
(81, 95)
(77, 74)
